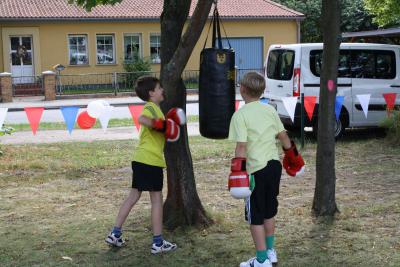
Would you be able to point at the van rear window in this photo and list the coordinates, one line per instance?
(280, 64)
(362, 64)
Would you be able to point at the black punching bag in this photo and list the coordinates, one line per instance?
(216, 87)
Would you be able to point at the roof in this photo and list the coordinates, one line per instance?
(380, 32)
(58, 10)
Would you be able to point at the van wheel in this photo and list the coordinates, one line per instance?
(340, 126)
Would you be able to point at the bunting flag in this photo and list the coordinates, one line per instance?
(3, 113)
(136, 110)
(264, 101)
(290, 105)
(237, 105)
(364, 102)
(34, 115)
(69, 114)
(105, 117)
(390, 99)
(309, 105)
(338, 106)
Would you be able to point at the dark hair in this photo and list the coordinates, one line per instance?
(144, 85)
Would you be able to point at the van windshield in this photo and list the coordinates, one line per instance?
(280, 64)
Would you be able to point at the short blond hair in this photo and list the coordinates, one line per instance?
(254, 83)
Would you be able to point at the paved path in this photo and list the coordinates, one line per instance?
(78, 135)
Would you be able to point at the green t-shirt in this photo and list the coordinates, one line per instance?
(256, 124)
(151, 143)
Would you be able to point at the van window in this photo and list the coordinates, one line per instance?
(362, 64)
(343, 67)
(280, 64)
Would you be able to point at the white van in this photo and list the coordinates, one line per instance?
(363, 69)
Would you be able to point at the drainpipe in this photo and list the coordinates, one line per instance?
(298, 22)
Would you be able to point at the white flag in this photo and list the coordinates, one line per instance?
(3, 113)
(364, 101)
(290, 105)
(105, 117)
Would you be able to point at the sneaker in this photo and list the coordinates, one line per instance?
(271, 253)
(254, 263)
(165, 247)
(112, 240)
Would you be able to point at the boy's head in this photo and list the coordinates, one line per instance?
(145, 85)
(253, 84)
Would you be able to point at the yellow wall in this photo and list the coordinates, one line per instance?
(54, 42)
(1, 52)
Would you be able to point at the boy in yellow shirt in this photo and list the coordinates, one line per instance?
(148, 161)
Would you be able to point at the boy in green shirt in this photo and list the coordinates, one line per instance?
(255, 128)
(148, 161)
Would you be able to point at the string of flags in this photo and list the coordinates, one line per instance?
(102, 111)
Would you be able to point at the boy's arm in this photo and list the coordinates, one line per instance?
(240, 151)
(146, 121)
(285, 140)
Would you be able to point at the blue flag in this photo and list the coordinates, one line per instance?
(69, 114)
(264, 101)
(338, 105)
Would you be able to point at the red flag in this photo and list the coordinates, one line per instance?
(390, 99)
(237, 102)
(136, 110)
(34, 114)
(309, 105)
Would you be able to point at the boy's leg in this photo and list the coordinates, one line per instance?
(114, 238)
(159, 244)
(156, 212)
(126, 207)
(269, 227)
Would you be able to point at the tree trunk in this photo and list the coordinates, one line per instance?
(324, 203)
(182, 206)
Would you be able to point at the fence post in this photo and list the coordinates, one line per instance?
(49, 85)
(115, 83)
(6, 92)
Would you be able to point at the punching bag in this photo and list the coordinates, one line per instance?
(216, 86)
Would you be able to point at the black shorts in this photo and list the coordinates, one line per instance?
(263, 202)
(147, 177)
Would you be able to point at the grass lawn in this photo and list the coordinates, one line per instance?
(60, 200)
(61, 125)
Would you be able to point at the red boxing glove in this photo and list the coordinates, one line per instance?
(238, 183)
(172, 131)
(293, 162)
(168, 127)
(177, 115)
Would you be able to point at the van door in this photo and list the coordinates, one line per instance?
(279, 73)
(373, 72)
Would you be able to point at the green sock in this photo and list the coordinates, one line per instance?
(261, 255)
(269, 241)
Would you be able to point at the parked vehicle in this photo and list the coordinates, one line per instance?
(363, 69)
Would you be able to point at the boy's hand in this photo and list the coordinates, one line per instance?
(158, 125)
(177, 115)
(238, 183)
(293, 162)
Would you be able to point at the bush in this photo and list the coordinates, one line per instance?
(136, 68)
(3, 131)
(392, 124)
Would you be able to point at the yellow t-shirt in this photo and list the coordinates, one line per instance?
(256, 124)
(151, 142)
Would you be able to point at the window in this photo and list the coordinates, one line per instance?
(343, 65)
(105, 49)
(132, 47)
(78, 54)
(359, 64)
(155, 45)
(280, 65)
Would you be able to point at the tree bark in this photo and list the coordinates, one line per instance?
(182, 206)
(324, 203)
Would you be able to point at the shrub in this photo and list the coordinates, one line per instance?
(3, 131)
(392, 124)
(137, 67)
